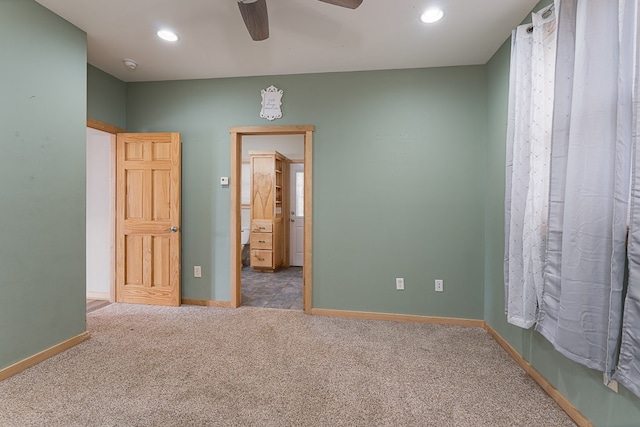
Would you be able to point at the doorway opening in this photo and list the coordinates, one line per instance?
(297, 241)
(100, 213)
(133, 240)
(271, 275)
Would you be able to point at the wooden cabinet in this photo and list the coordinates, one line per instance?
(268, 204)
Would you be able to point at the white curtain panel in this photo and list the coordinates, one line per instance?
(628, 372)
(531, 84)
(580, 311)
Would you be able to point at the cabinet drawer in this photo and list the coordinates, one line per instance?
(262, 226)
(261, 258)
(261, 241)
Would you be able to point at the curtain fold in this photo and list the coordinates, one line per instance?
(577, 176)
(581, 302)
(628, 372)
(531, 83)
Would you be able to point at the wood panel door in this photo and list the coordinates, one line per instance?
(262, 187)
(148, 169)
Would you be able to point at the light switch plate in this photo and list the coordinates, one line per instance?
(224, 181)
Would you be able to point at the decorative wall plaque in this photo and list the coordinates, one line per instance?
(271, 102)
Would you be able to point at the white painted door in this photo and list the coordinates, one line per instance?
(296, 217)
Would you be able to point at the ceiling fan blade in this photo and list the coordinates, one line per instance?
(351, 4)
(255, 18)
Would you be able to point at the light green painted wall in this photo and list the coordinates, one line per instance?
(582, 386)
(401, 188)
(106, 97)
(497, 100)
(42, 180)
(398, 181)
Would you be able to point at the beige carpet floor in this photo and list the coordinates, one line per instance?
(198, 366)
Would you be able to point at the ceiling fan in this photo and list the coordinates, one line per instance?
(254, 14)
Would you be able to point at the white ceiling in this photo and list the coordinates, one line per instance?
(306, 36)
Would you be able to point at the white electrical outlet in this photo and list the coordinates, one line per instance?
(400, 283)
(439, 285)
(197, 271)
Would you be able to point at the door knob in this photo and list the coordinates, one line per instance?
(292, 220)
(172, 229)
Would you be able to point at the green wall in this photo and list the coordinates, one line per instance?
(582, 386)
(408, 173)
(42, 180)
(106, 97)
(398, 181)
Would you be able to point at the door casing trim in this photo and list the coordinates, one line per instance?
(237, 132)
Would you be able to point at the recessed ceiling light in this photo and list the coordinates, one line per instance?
(167, 35)
(431, 15)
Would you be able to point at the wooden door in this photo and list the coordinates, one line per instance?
(262, 187)
(148, 169)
